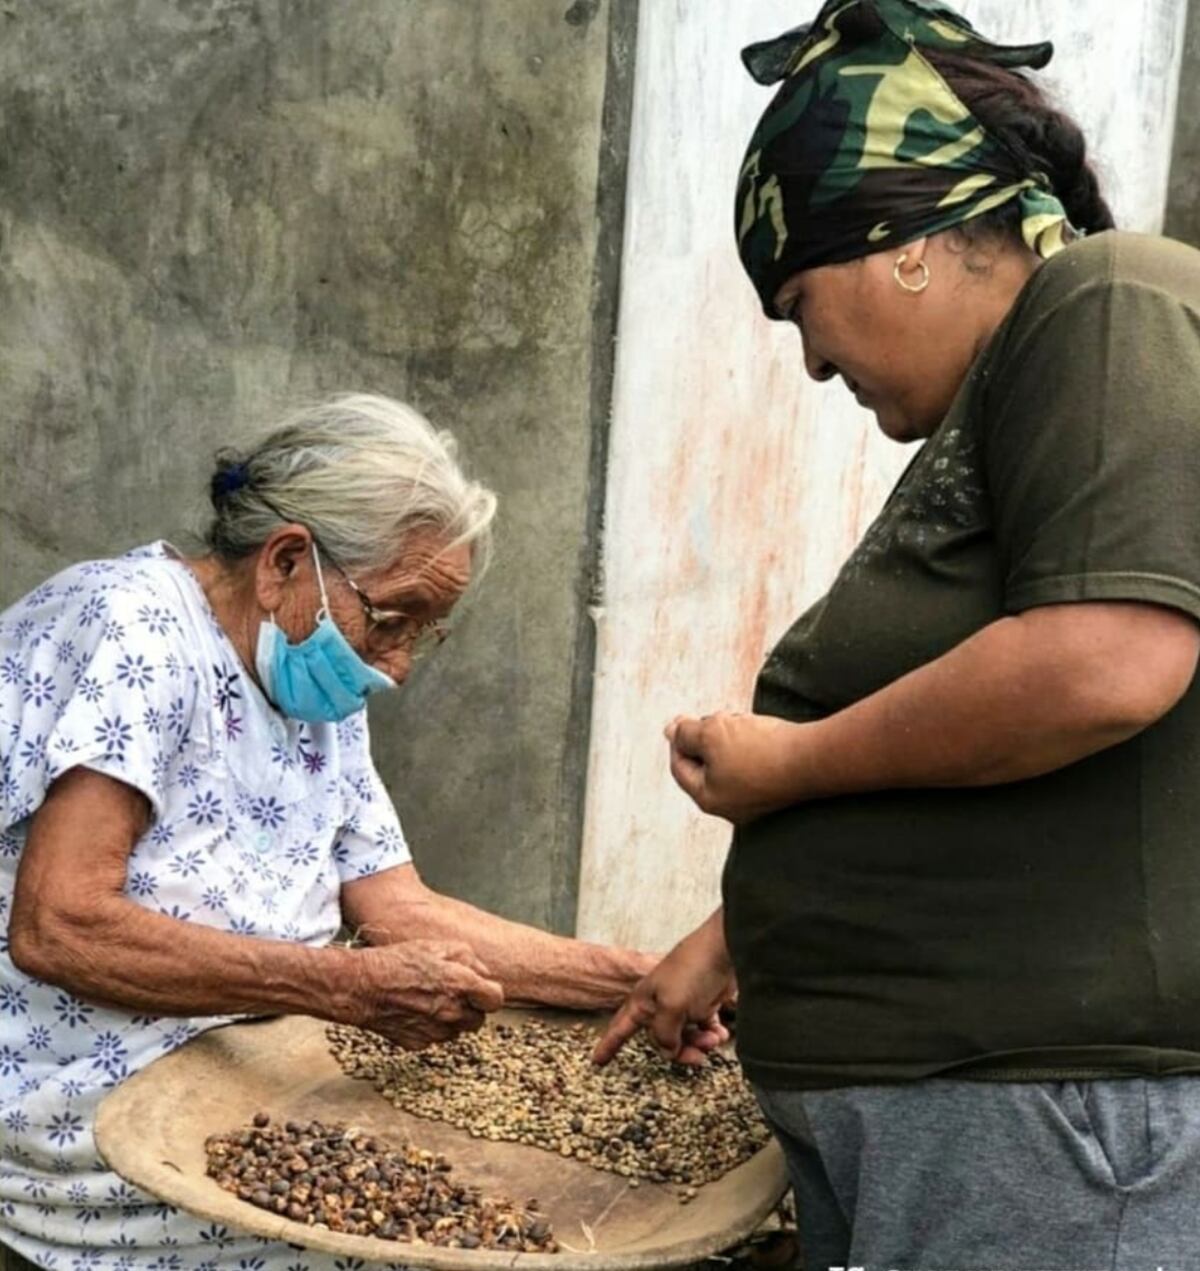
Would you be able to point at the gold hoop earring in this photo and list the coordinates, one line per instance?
(912, 288)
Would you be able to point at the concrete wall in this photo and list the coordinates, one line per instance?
(737, 486)
(1183, 193)
(209, 210)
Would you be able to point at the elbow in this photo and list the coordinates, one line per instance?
(44, 946)
(29, 948)
(1113, 668)
(1148, 707)
(1124, 700)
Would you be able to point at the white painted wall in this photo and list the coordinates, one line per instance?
(736, 487)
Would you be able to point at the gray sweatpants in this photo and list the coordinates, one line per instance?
(980, 1176)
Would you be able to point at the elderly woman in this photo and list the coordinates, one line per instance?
(190, 812)
(963, 897)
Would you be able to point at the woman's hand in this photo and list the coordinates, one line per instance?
(679, 1000)
(736, 766)
(420, 992)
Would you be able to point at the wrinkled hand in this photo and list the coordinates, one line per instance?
(418, 992)
(677, 1003)
(735, 766)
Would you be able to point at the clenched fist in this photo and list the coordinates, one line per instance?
(737, 766)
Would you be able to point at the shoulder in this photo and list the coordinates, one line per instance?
(1113, 262)
(1118, 256)
(96, 669)
(138, 574)
(83, 594)
(1111, 293)
(101, 618)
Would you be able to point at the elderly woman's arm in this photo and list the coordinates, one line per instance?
(1022, 697)
(73, 926)
(532, 966)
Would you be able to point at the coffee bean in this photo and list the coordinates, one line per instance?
(534, 1084)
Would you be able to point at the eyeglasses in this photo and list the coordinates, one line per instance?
(389, 629)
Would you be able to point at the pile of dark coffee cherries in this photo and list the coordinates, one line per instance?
(345, 1180)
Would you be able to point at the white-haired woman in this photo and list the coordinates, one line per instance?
(189, 811)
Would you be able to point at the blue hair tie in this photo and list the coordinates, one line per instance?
(230, 480)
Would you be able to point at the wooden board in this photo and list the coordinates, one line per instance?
(152, 1128)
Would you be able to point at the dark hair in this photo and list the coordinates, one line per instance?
(1042, 138)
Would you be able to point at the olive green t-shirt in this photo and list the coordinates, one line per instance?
(1046, 928)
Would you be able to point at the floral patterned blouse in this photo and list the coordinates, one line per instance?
(120, 666)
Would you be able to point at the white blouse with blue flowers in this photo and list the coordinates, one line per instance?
(120, 666)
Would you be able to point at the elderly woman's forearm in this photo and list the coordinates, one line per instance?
(1021, 698)
(122, 955)
(537, 967)
(533, 966)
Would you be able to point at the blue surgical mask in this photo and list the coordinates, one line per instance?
(321, 679)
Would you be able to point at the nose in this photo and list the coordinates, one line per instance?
(817, 367)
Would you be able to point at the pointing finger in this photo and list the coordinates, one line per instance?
(620, 1029)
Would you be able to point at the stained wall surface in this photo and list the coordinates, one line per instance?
(210, 211)
(1182, 220)
(736, 486)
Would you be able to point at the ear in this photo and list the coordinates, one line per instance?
(285, 557)
(915, 251)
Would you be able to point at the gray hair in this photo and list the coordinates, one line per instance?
(361, 472)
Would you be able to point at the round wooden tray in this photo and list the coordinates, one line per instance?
(152, 1128)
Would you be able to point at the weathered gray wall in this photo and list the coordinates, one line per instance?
(1183, 193)
(211, 209)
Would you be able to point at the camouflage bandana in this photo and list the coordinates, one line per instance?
(866, 147)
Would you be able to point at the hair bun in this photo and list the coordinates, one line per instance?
(230, 477)
(1015, 109)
